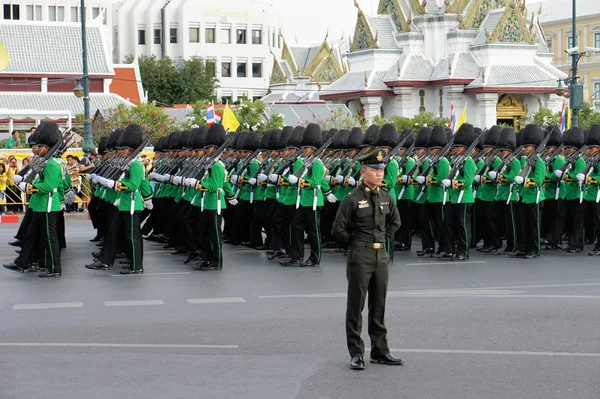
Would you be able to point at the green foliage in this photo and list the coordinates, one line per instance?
(504, 125)
(337, 120)
(197, 117)
(197, 80)
(544, 118)
(588, 117)
(419, 120)
(251, 116)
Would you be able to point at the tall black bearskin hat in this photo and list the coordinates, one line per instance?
(238, 141)
(465, 135)
(438, 137)
(186, 138)
(325, 135)
(32, 139)
(388, 136)
(295, 138)
(409, 134)
(215, 135)
(114, 138)
(251, 142)
(174, 141)
(104, 141)
(519, 137)
(507, 140)
(371, 136)
(332, 134)
(264, 140)
(274, 140)
(574, 138)
(312, 136)
(492, 136)
(556, 138)
(198, 137)
(132, 137)
(339, 140)
(593, 137)
(286, 132)
(354, 139)
(48, 135)
(449, 134)
(422, 139)
(532, 135)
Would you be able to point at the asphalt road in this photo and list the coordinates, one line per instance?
(489, 328)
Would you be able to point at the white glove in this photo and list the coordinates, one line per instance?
(405, 179)
(351, 181)
(234, 179)
(90, 176)
(519, 179)
(273, 178)
(292, 179)
(153, 175)
(177, 180)
(166, 177)
(477, 178)
(262, 177)
(233, 201)
(23, 186)
(95, 180)
(192, 182)
(493, 175)
(421, 179)
(328, 178)
(447, 182)
(580, 177)
(148, 204)
(331, 198)
(339, 179)
(558, 173)
(108, 183)
(252, 181)
(17, 179)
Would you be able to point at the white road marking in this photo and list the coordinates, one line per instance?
(338, 295)
(134, 303)
(446, 263)
(150, 274)
(487, 352)
(215, 300)
(56, 305)
(98, 345)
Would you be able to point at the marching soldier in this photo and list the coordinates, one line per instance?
(405, 192)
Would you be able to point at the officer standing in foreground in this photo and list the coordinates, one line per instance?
(366, 219)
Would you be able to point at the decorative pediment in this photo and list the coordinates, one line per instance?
(418, 6)
(287, 56)
(457, 6)
(363, 34)
(323, 52)
(478, 11)
(277, 75)
(329, 70)
(393, 9)
(512, 28)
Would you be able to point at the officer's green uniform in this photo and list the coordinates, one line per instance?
(366, 219)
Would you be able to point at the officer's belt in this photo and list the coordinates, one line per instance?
(365, 244)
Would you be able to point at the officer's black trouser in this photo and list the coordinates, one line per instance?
(499, 213)
(495, 219)
(25, 222)
(160, 224)
(190, 228)
(124, 226)
(366, 271)
(209, 229)
(404, 234)
(259, 221)
(107, 212)
(305, 219)
(270, 207)
(427, 226)
(282, 221)
(60, 229)
(529, 221)
(42, 230)
(442, 229)
(229, 216)
(93, 210)
(458, 218)
(183, 208)
(243, 222)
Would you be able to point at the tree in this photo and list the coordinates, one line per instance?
(588, 117)
(544, 118)
(197, 80)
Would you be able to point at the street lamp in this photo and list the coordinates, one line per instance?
(84, 84)
(78, 90)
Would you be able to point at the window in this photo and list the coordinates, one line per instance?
(257, 70)
(241, 70)
(225, 36)
(226, 100)
(597, 40)
(29, 11)
(570, 42)
(226, 69)
(60, 13)
(95, 12)
(279, 40)
(16, 11)
(273, 38)
(38, 13)
(422, 101)
(597, 91)
(241, 36)
(74, 14)
(549, 44)
(194, 35)
(173, 35)
(52, 13)
(256, 36)
(141, 36)
(441, 108)
(157, 36)
(210, 35)
(11, 11)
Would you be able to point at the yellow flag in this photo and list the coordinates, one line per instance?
(229, 121)
(4, 57)
(569, 118)
(462, 119)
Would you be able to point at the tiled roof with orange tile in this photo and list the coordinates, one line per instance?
(125, 83)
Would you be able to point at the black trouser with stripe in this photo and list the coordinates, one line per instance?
(42, 230)
(458, 218)
(243, 222)
(25, 222)
(209, 229)
(567, 210)
(591, 210)
(404, 234)
(282, 220)
(480, 224)
(502, 217)
(529, 220)
(579, 216)
(190, 223)
(94, 211)
(427, 226)
(305, 219)
(259, 222)
(549, 216)
(124, 226)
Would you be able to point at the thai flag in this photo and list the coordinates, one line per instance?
(212, 117)
(452, 124)
(563, 118)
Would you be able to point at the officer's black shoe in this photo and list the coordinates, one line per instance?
(277, 254)
(131, 271)
(530, 255)
(291, 263)
(386, 359)
(308, 263)
(16, 243)
(402, 247)
(97, 265)
(595, 252)
(96, 239)
(14, 267)
(96, 255)
(426, 252)
(179, 251)
(357, 363)
(49, 275)
(201, 264)
(459, 258)
(491, 248)
(262, 247)
(192, 256)
(568, 248)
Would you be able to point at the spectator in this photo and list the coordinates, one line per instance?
(147, 163)
(13, 141)
(13, 194)
(3, 182)
(25, 162)
(73, 171)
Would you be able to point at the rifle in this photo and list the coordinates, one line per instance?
(434, 159)
(533, 157)
(557, 152)
(459, 161)
(395, 150)
(309, 161)
(214, 158)
(566, 167)
(123, 166)
(38, 163)
(288, 162)
(353, 162)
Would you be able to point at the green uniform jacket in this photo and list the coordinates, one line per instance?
(48, 183)
(418, 188)
(529, 192)
(247, 188)
(288, 194)
(591, 189)
(271, 192)
(132, 181)
(409, 189)
(551, 180)
(390, 177)
(260, 192)
(486, 191)
(466, 176)
(504, 187)
(213, 183)
(318, 185)
(435, 191)
(572, 185)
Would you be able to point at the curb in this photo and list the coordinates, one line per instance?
(14, 219)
